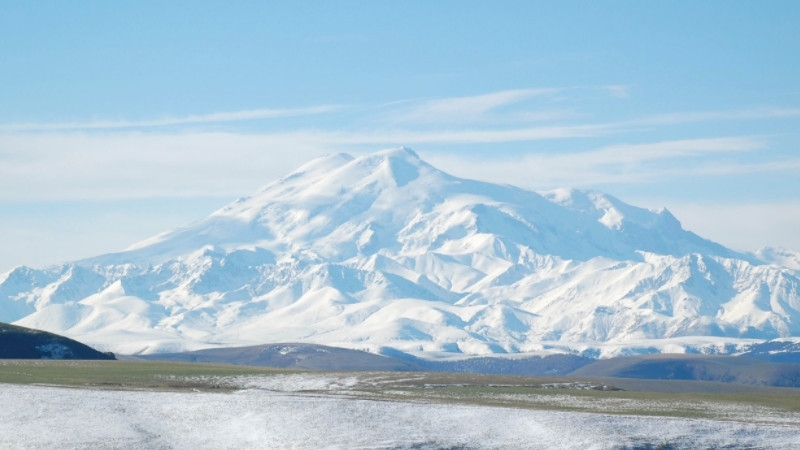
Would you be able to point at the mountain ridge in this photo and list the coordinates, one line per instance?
(384, 250)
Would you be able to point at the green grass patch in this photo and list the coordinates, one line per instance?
(535, 393)
(129, 375)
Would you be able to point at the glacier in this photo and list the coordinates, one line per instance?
(386, 251)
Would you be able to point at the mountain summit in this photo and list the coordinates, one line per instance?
(385, 250)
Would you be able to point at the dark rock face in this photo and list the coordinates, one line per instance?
(26, 343)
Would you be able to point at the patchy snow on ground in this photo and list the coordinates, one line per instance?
(40, 417)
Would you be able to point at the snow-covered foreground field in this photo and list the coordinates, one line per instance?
(281, 415)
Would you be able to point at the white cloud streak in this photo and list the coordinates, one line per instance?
(107, 159)
(476, 136)
(710, 116)
(147, 165)
(219, 117)
(130, 164)
(617, 91)
(469, 109)
(613, 164)
(672, 149)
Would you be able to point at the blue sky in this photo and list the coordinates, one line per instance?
(119, 120)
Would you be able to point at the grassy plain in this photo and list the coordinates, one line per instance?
(607, 396)
(128, 375)
(651, 397)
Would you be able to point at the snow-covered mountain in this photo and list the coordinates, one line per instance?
(385, 250)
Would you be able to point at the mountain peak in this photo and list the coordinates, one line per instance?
(383, 249)
(335, 201)
(399, 153)
(343, 169)
(319, 166)
(400, 165)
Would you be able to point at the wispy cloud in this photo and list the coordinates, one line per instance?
(493, 117)
(469, 136)
(140, 165)
(618, 91)
(219, 117)
(135, 164)
(128, 164)
(468, 109)
(638, 153)
(678, 118)
(637, 163)
(135, 159)
(514, 107)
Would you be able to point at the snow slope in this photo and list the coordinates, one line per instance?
(385, 250)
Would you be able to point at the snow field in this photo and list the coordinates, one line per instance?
(39, 417)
